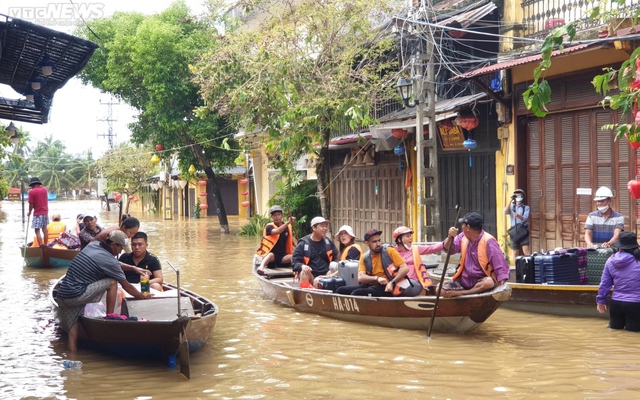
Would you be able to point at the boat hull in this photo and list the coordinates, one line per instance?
(48, 257)
(564, 300)
(454, 315)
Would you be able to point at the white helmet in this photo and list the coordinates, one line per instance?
(603, 193)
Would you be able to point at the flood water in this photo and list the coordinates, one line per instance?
(261, 350)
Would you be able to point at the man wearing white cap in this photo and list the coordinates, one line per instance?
(604, 225)
(277, 242)
(314, 253)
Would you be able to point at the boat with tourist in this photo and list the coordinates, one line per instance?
(454, 315)
(48, 257)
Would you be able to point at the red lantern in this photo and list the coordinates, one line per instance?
(244, 181)
(469, 122)
(203, 194)
(399, 133)
(634, 145)
(245, 204)
(159, 147)
(117, 196)
(202, 183)
(634, 188)
(130, 197)
(204, 206)
(446, 124)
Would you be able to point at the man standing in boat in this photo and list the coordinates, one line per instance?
(482, 264)
(314, 253)
(276, 248)
(92, 272)
(39, 204)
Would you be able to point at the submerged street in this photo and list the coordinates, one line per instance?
(264, 350)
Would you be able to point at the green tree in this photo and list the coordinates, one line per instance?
(49, 162)
(126, 170)
(311, 70)
(144, 60)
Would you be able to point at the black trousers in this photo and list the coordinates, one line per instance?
(624, 315)
(376, 290)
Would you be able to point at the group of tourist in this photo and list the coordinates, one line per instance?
(384, 270)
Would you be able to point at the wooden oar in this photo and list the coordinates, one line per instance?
(185, 369)
(444, 272)
(26, 235)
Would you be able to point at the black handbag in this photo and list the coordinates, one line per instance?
(518, 233)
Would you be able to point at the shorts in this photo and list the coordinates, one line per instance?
(70, 309)
(40, 221)
(277, 263)
(518, 246)
(456, 285)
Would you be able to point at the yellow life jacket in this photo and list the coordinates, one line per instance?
(54, 230)
(268, 241)
(485, 264)
(420, 268)
(343, 257)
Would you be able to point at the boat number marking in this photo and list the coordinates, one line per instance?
(345, 304)
(309, 299)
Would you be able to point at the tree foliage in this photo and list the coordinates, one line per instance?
(127, 168)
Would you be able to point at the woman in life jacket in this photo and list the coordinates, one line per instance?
(402, 237)
(348, 248)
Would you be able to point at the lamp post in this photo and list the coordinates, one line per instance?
(405, 88)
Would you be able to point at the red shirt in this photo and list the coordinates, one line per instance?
(39, 199)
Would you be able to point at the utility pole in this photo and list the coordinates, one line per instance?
(433, 194)
(110, 135)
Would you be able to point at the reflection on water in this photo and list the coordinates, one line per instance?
(263, 350)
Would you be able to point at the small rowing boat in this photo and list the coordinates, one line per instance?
(454, 315)
(48, 257)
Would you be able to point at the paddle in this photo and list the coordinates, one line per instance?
(26, 235)
(184, 343)
(444, 272)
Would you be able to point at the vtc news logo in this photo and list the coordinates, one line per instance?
(58, 13)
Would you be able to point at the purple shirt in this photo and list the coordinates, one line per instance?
(472, 272)
(407, 255)
(621, 270)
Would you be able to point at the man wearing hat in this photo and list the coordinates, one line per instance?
(382, 272)
(90, 230)
(277, 243)
(94, 271)
(604, 225)
(39, 204)
(314, 253)
(482, 264)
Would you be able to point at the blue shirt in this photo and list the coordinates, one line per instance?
(603, 228)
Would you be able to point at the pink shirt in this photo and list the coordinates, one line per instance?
(407, 255)
(39, 199)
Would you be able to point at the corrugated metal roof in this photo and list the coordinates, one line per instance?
(519, 61)
(468, 18)
(442, 107)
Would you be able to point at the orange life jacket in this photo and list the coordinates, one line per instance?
(54, 230)
(268, 241)
(306, 250)
(484, 261)
(343, 257)
(388, 266)
(420, 268)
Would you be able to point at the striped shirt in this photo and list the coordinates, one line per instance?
(603, 228)
(95, 262)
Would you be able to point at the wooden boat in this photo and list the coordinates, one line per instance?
(159, 335)
(48, 257)
(455, 315)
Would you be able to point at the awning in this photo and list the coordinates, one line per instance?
(348, 141)
(467, 18)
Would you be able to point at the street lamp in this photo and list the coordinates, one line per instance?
(405, 89)
(15, 139)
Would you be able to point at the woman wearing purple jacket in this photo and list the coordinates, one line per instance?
(622, 271)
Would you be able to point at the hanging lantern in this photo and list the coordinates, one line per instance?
(202, 183)
(399, 133)
(130, 197)
(203, 194)
(245, 204)
(469, 122)
(155, 159)
(159, 147)
(117, 196)
(446, 124)
(399, 150)
(135, 198)
(470, 144)
(244, 181)
(192, 169)
(245, 193)
(204, 206)
(634, 188)
(634, 144)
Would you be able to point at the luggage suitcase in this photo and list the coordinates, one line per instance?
(525, 270)
(348, 270)
(596, 258)
(331, 283)
(582, 264)
(558, 269)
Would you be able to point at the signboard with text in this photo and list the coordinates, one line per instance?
(13, 196)
(451, 136)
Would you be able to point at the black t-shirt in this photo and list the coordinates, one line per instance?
(281, 245)
(353, 254)
(149, 262)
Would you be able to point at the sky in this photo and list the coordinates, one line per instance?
(77, 110)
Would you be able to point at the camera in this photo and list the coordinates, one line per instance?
(513, 197)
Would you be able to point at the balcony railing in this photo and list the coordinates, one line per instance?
(541, 16)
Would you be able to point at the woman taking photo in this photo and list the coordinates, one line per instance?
(519, 213)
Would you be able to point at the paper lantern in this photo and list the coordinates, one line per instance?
(117, 196)
(130, 197)
(399, 133)
(245, 204)
(469, 122)
(245, 193)
(204, 206)
(159, 147)
(470, 144)
(202, 183)
(634, 188)
(635, 145)
(203, 194)
(192, 169)
(155, 159)
(399, 150)
(244, 181)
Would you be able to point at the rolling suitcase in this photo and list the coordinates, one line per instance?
(596, 258)
(582, 264)
(331, 283)
(558, 269)
(348, 270)
(525, 270)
